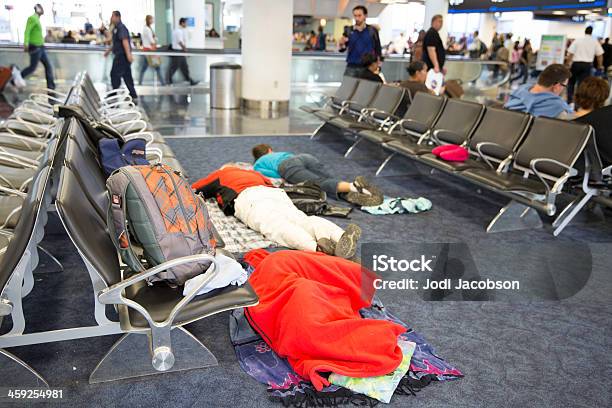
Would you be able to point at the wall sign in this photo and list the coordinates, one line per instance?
(492, 6)
(552, 51)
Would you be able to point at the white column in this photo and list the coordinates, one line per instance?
(267, 27)
(488, 27)
(433, 7)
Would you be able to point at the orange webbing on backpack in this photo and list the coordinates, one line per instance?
(174, 198)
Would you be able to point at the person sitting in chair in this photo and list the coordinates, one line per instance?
(298, 168)
(371, 67)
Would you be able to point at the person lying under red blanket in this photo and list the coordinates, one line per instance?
(308, 312)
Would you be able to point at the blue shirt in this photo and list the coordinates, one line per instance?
(268, 163)
(360, 43)
(545, 104)
(119, 34)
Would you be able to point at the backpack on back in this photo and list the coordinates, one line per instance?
(155, 215)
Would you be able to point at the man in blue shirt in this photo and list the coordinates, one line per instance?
(362, 40)
(543, 98)
(122, 61)
(299, 168)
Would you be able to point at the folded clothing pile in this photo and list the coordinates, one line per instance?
(343, 330)
(399, 205)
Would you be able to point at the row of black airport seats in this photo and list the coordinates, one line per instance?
(151, 318)
(532, 161)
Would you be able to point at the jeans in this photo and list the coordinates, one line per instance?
(122, 69)
(306, 167)
(38, 53)
(143, 68)
(523, 72)
(354, 71)
(178, 62)
(580, 71)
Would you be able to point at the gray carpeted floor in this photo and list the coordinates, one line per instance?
(513, 354)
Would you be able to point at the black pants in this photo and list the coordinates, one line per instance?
(580, 71)
(178, 62)
(122, 69)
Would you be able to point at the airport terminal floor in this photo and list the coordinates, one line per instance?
(547, 344)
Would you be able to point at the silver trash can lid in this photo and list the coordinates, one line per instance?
(225, 65)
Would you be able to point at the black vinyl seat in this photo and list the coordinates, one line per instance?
(542, 164)
(363, 96)
(497, 136)
(378, 113)
(88, 232)
(334, 103)
(418, 119)
(454, 126)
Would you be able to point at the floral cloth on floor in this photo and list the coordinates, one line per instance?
(382, 387)
(399, 205)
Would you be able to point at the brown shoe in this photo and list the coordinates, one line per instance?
(346, 247)
(364, 200)
(327, 246)
(364, 184)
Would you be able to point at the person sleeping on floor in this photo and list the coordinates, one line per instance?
(297, 168)
(252, 198)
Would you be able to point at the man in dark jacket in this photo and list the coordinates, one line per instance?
(362, 40)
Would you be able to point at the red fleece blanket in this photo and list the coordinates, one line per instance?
(308, 312)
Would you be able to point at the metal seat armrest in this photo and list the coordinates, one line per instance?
(344, 106)
(157, 152)
(129, 125)
(14, 192)
(607, 172)
(18, 160)
(114, 105)
(114, 295)
(25, 139)
(37, 95)
(434, 136)
(148, 136)
(479, 147)
(571, 172)
(55, 92)
(134, 115)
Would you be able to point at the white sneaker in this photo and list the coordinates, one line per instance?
(17, 79)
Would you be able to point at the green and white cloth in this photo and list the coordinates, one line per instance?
(381, 387)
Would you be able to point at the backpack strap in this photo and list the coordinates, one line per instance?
(117, 186)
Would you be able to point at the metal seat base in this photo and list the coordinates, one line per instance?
(16, 373)
(515, 217)
(131, 357)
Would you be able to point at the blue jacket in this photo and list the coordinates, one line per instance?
(268, 163)
(538, 104)
(361, 43)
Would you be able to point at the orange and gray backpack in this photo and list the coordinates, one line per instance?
(155, 215)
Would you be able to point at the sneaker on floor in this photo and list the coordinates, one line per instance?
(364, 200)
(364, 184)
(346, 247)
(194, 83)
(327, 246)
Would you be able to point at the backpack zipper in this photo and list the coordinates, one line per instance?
(178, 197)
